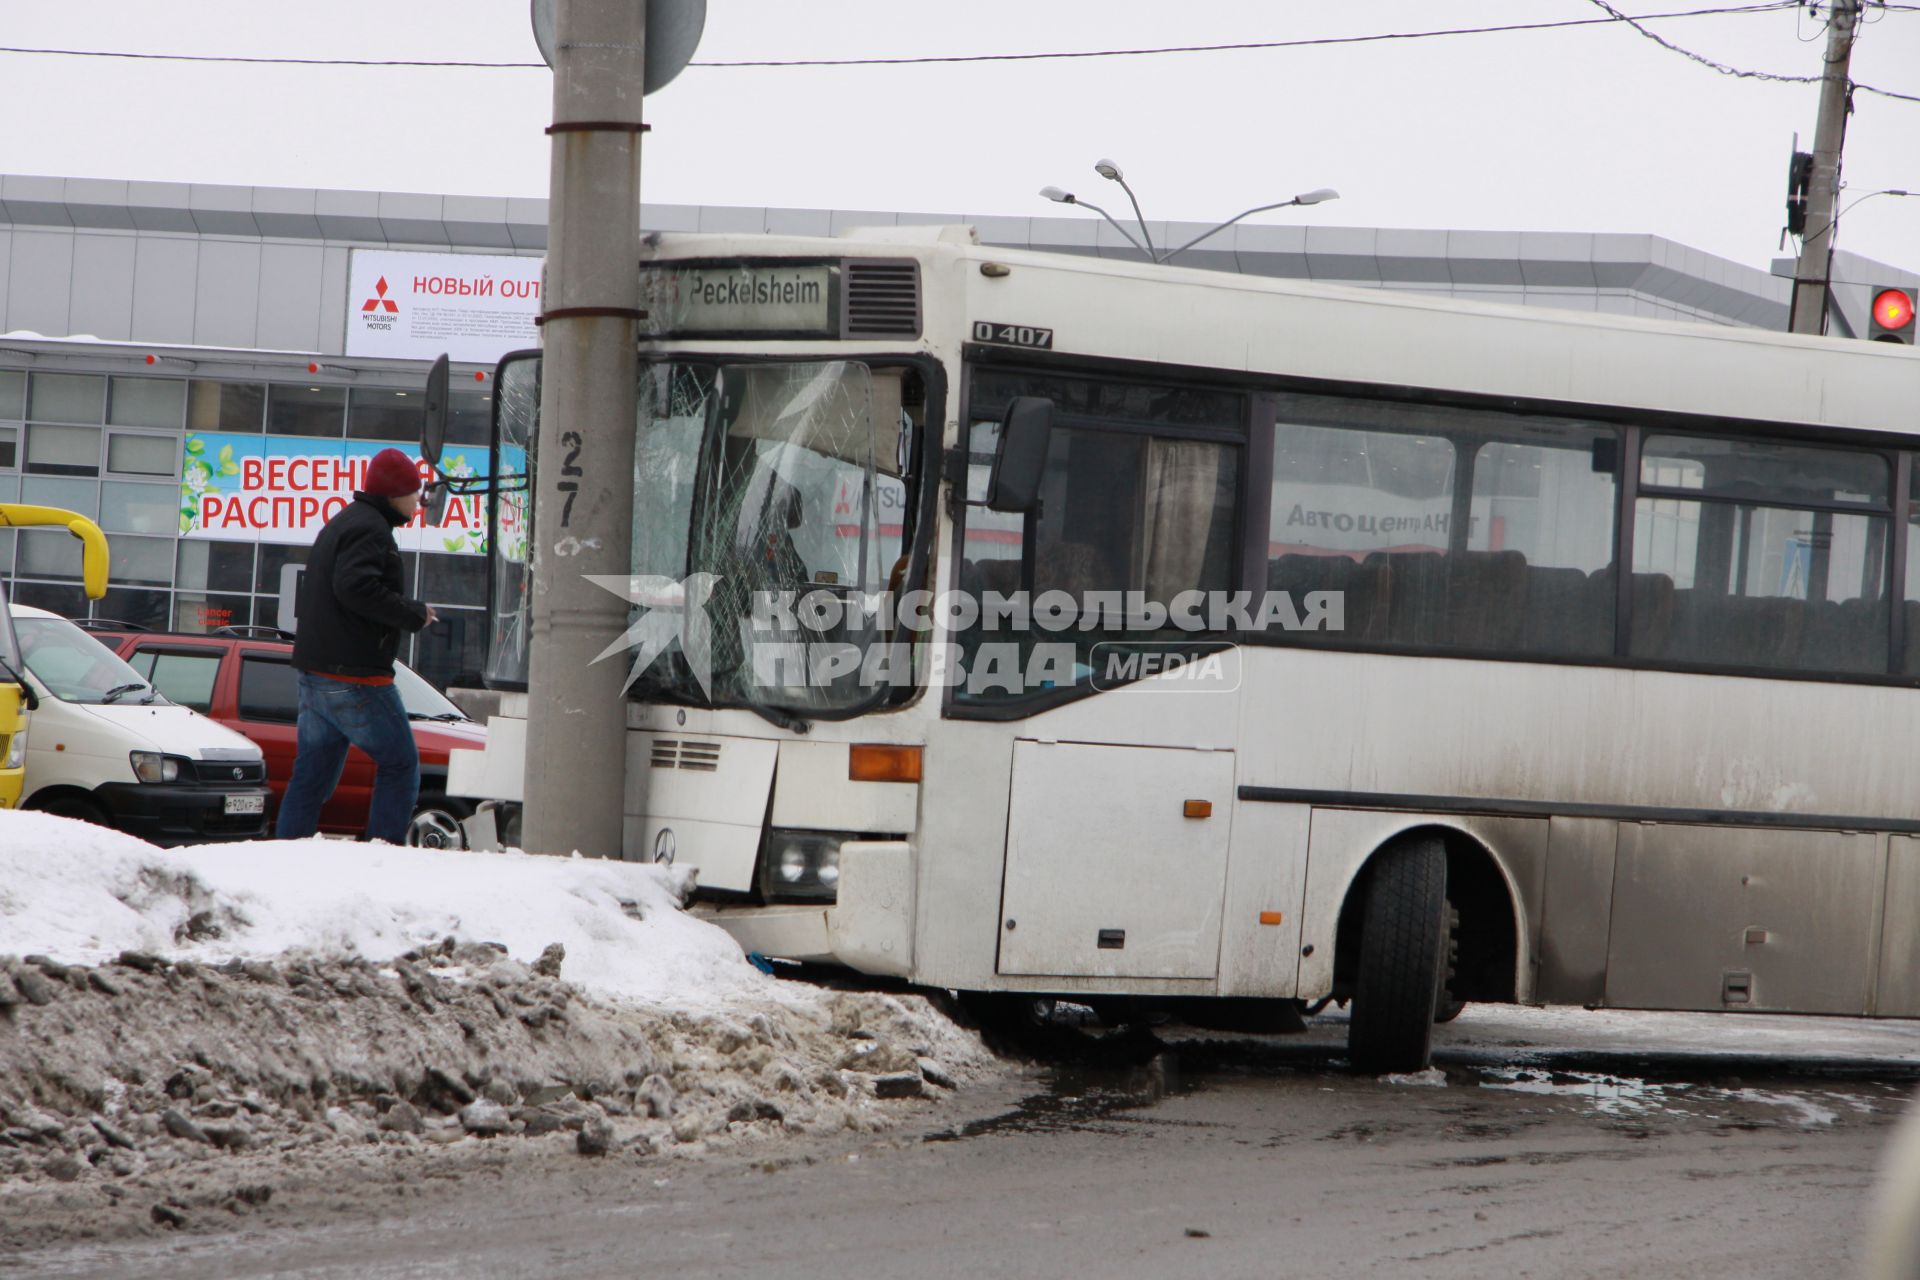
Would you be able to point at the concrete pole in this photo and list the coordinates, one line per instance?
(583, 497)
(1810, 276)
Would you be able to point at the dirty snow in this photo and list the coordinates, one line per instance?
(83, 894)
(1431, 1078)
(239, 1007)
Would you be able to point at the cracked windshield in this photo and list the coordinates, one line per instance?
(783, 482)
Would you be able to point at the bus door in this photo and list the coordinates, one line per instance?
(1116, 861)
(15, 697)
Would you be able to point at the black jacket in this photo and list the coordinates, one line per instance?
(351, 612)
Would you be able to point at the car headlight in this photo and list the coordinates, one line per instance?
(151, 766)
(802, 864)
(16, 751)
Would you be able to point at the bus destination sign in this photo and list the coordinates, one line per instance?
(771, 300)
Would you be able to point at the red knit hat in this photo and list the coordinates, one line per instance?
(391, 474)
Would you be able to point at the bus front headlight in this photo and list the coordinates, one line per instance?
(16, 751)
(802, 864)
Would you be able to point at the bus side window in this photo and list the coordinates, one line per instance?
(1764, 555)
(1128, 512)
(1446, 528)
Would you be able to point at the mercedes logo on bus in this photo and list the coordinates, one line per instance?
(664, 846)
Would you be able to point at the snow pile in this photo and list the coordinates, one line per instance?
(83, 894)
(241, 1002)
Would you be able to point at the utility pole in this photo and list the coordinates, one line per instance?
(1810, 276)
(583, 500)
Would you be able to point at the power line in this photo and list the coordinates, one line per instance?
(1771, 7)
(1313, 42)
(1736, 72)
(1614, 16)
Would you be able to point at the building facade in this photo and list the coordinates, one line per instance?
(205, 369)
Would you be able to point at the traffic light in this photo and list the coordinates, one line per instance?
(1892, 319)
(1799, 178)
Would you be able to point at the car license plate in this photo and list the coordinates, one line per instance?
(246, 804)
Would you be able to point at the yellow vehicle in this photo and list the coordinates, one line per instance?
(16, 699)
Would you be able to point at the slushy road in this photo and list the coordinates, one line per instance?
(1547, 1143)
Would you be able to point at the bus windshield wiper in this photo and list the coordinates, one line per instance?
(777, 718)
(120, 690)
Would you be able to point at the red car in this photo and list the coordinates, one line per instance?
(244, 678)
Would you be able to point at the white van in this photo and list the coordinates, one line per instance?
(105, 747)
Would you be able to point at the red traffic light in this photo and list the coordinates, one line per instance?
(1893, 308)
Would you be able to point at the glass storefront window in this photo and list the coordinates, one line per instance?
(139, 508)
(67, 397)
(13, 394)
(146, 562)
(141, 455)
(49, 553)
(274, 556)
(200, 613)
(452, 651)
(146, 402)
(82, 496)
(63, 451)
(9, 448)
(457, 580)
(377, 413)
(294, 410)
(141, 607)
(469, 417)
(69, 601)
(206, 565)
(226, 406)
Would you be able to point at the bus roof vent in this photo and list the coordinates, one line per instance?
(882, 298)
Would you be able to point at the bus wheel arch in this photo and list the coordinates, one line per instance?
(1487, 963)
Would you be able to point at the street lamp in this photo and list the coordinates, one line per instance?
(1058, 196)
(1111, 172)
(1318, 195)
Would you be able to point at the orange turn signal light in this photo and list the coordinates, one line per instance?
(1271, 917)
(882, 762)
(1197, 809)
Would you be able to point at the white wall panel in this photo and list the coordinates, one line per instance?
(227, 303)
(40, 281)
(164, 284)
(103, 284)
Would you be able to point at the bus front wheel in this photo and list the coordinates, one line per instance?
(1402, 960)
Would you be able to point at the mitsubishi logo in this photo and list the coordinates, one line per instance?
(664, 846)
(380, 299)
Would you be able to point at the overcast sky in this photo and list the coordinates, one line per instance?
(1590, 129)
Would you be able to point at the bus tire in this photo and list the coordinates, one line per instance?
(1402, 960)
(1449, 1007)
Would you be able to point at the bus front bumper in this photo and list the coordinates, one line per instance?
(869, 928)
(786, 933)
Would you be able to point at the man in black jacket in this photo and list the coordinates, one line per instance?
(351, 616)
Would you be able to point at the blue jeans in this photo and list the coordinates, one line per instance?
(334, 715)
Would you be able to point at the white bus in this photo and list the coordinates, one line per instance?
(1594, 676)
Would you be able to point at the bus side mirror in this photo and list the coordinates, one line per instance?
(433, 431)
(436, 503)
(1021, 458)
